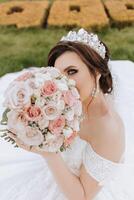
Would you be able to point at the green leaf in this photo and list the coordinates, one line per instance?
(4, 117)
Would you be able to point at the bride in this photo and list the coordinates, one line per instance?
(97, 165)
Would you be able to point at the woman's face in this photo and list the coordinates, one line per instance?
(71, 65)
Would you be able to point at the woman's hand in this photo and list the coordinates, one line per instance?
(29, 148)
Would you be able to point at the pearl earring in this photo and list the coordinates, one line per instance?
(94, 92)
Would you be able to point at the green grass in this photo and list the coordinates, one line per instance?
(21, 48)
(1, 1)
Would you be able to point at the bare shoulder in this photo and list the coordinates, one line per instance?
(109, 137)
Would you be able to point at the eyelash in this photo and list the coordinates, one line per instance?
(75, 71)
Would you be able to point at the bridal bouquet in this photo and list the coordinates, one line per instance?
(43, 109)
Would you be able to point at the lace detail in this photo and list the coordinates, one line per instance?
(98, 167)
(73, 156)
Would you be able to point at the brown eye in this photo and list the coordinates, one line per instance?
(72, 71)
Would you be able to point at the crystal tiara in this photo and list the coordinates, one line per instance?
(89, 39)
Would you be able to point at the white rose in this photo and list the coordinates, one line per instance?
(18, 95)
(50, 136)
(75, 125)
(69, 115)
(40, 102)
(72, 82)
(67, 132)
(53, 71)
(13, 118)
(57, 96)
(43, 123)
(41, 78)
(42, 70)
(62, 85)
(52, 145)
(70, 124)
(77, 108)
(75, 93)
(61, 105)
(29, 135)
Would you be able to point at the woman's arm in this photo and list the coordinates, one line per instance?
(83, 187)
(110, 148)
(73, 187)
(69, 183)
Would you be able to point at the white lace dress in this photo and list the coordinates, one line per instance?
(26, 176)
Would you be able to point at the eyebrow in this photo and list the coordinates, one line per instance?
(69, 67)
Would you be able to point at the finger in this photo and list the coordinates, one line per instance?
(33, 149)
(11, 135)
(19, 142)
(22, 145)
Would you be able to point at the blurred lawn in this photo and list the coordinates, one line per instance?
(30, 47)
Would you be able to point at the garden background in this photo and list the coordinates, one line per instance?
(29, 29)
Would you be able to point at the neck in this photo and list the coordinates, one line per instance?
(97, 108)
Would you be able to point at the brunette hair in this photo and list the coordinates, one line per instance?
(93, 61)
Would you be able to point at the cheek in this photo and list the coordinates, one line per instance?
(84, 86)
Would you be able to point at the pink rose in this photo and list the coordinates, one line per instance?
(69, 98)
(33, 113)
(24, 76)
(49, 88)
(69, 140)
(57, 125)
